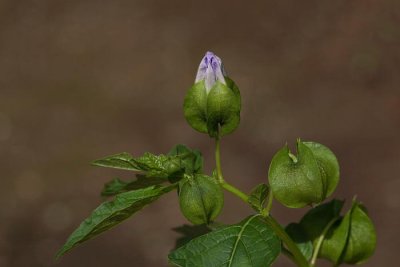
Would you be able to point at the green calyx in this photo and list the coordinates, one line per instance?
(305, 179)
(352, 239)
(217, 110)
(200, 198)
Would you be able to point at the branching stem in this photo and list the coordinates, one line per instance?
(296, 254)
(265, 212)
(227, 186)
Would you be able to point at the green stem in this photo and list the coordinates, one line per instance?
(220, 176)
(218, 159)
(320, 240)
(265, 212)
(291, 246)
(235, 191)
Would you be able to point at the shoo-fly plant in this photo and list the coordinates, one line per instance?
(305, 178)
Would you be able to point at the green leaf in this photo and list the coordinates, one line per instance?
(122, 161)
(296, 181)
(180, 160)
(200, 198)
(189, 232)
(328, 165)
(299, 236)
(190, 160)
(157, 165)
(316, 219)
(160, 166)
(250, 243)
(223, 110)
(195, 107)
(117, 186)
(258, 196)
(112, 213)
(362, 236)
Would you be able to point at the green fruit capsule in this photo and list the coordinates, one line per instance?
(200, 198)
(351, 240)
(296, 181)
(305, 179)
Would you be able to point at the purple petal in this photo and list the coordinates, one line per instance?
(210, 70)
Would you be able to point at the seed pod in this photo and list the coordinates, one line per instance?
(305, 179)
(200, 198)
(351, 240)
(295, 181)
(328, 166)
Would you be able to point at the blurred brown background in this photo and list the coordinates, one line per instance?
(81, 80)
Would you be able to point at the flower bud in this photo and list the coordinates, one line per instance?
(210, 71)
(200, 198)
(212, 105)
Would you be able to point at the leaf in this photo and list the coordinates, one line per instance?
(189, 232)
(250, 243)
(299, 236)
(122, 161)
(191, 160)
(296, 181)
(316, 219)
(157, 165)
(180, 160)
(328, 165)
(258, 196)
(307, 232)
(112, 213)
(117, 186)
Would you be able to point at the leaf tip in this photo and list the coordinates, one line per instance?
(60, 253)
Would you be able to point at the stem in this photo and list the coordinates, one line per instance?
(292, 247)
(218, 160)
(298, 257)
(220, 176)
(235, 191)
(320, 240)
(267, 209)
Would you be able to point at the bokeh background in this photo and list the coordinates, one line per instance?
(80, 80)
